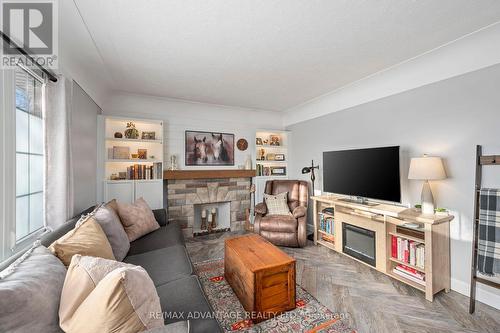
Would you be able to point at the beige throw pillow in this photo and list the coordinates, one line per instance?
(87, 238)
(137, 219)
(102, 295)
(277, 204)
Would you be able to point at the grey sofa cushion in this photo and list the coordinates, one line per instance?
(112, 227)
(164, 265)
(183, 299)
(30, 294)
(168, 235)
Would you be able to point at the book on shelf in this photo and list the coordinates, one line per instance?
(408, 275)
(408, 251)
(145, 172)
(326, 224)
(411, 271)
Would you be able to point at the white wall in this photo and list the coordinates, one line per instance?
(446, 119)
(180, 116)
(83, 148)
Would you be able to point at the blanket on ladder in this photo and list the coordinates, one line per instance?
(488, 257)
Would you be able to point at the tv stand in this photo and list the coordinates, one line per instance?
(359, 201)
(428, 232)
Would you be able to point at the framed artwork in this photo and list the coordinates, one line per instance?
(142, 154)
(148, 136)
(120, 152)
(279, 157)
(278, 171)
(209, 148)
(275, 140)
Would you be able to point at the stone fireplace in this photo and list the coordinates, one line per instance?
(188, 197)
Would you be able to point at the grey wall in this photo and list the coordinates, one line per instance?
(445, 119)
(84, 148)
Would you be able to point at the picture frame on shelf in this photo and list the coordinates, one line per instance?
(279, 157)
(258, 141)
(142, 154)
(278, 171)
(274, 140)
(148, 135)
(121, 152)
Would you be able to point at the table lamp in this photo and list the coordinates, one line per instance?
(426, 168)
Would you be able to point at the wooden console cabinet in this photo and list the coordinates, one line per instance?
(383, 219)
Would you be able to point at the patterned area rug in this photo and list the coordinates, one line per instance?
(309, 316)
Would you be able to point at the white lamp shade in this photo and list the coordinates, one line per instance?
(426, 168)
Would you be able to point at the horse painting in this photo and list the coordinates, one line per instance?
(209, 148)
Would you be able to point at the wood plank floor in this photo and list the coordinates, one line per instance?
(368, 300)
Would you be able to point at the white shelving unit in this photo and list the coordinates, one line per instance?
(282, 148)
(128, 190)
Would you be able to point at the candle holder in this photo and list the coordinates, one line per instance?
(209, 224)
(203, 223)
(203, 220)
(214, 218)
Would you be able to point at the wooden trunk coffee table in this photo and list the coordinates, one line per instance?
(261, 275)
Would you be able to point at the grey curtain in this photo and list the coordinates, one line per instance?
(58, 170)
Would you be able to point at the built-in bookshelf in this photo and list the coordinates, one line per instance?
(410, 247)
(271, 157)
(131, 159)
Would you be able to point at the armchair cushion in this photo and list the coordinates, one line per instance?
(277, 204)
(279, 223)
(299, 211)
(261, 208)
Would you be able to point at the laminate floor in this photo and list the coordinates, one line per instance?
(368, 300)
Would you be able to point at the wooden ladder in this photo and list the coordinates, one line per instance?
(480, 161)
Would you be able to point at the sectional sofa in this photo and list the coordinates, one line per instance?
(162, 253)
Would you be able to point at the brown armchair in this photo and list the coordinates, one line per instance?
(282, 229)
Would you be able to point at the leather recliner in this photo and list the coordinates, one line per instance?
(284, 230)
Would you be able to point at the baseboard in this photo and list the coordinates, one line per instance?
(484, 294)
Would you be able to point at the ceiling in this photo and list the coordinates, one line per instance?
(267, 54)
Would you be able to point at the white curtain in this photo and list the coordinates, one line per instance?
(58, 170)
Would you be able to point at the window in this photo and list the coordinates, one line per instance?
(30, 162)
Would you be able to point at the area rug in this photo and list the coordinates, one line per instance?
(309, 316)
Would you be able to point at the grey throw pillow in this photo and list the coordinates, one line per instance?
(113, 228)
(30, 290)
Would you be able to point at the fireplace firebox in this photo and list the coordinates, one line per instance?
(359, 243)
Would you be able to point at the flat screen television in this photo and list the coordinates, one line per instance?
(371, 173)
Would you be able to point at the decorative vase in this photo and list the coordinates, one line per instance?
(248, 163)
(118, 135)
(131, 132)
(173, 162)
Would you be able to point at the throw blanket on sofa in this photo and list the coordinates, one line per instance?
(489, 232)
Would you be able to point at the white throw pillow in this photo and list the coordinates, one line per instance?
(277, 204)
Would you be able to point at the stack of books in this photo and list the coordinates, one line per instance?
(410, 274)
(326, 224)
(408, 251)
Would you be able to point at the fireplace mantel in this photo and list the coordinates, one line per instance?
(208, 174)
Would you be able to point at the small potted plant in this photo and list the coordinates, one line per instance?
(131, 132)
